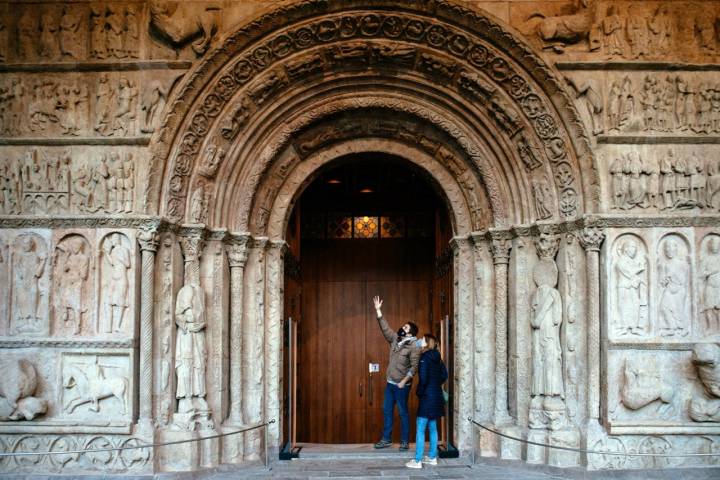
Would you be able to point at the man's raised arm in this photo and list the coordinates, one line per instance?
(386, 330)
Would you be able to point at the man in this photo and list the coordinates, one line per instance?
(404, 358)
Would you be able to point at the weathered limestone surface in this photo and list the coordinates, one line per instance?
(151, 153)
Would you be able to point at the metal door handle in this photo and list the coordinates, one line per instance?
(360, 389)
(370, 382)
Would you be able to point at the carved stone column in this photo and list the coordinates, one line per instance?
(237, 252)
(501, 245)
(148, 240)
(274, 269)
(463, 280)
(591, 239)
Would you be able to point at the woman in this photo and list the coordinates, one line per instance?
(432, 374)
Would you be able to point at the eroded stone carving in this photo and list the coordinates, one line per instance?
(674, 285)
(591, 101)
(18, 389)
(177, 24)
(116, 262)
(29, 268)
(71, 263)
(705, 407)
(630, 269)
(92, 380)
(153, 102)
(644, 384)
(562, 30)
(709, 266)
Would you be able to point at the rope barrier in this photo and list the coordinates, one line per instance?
(135, 447)
(596, 452)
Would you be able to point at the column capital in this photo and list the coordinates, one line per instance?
(259, 243)
(547, 245)
(500, 246)
(148, 239)
(192, 242)
(457, 243)
(591, 238)
(280, 245)
(237, 254)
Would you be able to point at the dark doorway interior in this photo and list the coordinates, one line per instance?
(371, 224)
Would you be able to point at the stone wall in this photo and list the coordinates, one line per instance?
(579, 158)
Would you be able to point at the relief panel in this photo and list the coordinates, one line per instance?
(73, 285)
(116, 261)
(30, 287)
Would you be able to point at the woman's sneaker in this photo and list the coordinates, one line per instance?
(383, 443)
(413, 464)
(429, 461)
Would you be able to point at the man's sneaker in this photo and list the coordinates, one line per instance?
(405, 446)
(429, 461)
(413, 464)
(383, 443)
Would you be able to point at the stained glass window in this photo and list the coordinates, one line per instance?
(392, 227)
(339, 226)
(366, 227)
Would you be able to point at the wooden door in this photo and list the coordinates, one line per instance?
(339, 400)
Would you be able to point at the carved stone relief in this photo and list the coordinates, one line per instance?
(674, 284)
(19, 392)
(709, 284)
(116, 261)
(179, 24)
(73, 282)
(30, 266)
(630, 281)
(705, 406)
(96, 386)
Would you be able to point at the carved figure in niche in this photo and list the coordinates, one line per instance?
(635, 185)
(212, 159)
(547, 381)
(115, 32)
(706, 406)
(631, 289)
(650, 101)
(588, 93)
(199, 204)
(72, 263)
(27, 34)
(621, 105)
(127, 106)
(562, 30)
(28, 267)
(116, 282)
(704, 30)
(131, 39)
(710, 279)
(152, 105)
(712, 168)
(612, 27)
(178, 24)
(49, 27)
(638, 33)
(643, 385)
(104, 97)
(674, 279)
(190, 350)
(543, 197)
(97, 33)
(69, 38)
(684, 104)
(91, 383)
(100, 178)
(18, 387)
(662, 27)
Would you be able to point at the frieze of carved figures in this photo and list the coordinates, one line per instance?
(153, 102)
(705, 405)
(663, 103)
(114, 32)
(116, 107)
(96, 385)
(630, 281)
(644, 384)
(547, 407)
(19, 395)
(178, 24)
(709, 276)
(673, 276)
(30, 271)
(72, 277)
(672, 182)
(115, 266)
(41, 183)
(251, 70)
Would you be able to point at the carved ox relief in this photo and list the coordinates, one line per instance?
(263, 84)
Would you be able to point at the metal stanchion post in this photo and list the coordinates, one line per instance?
(267, 462)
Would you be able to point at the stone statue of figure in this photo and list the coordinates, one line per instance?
(117, 257)
(710, 276)
(190, 351)
(631, 286)
(546, 321)
(674, 276)
(74, 266)
(29, 268)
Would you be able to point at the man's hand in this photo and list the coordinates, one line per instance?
(402, 383)
(378, 305)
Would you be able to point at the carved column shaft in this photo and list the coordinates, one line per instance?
(274, 268)
(237, 257)
(148, 240)
(484, 336)
(192, 246)
(591, 239)
(501, 258)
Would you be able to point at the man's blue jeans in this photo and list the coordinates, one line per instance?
(423, 422)
(394, 395)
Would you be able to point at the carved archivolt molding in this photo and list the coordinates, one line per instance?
(435, 42)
